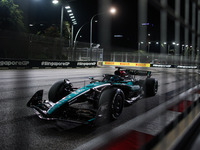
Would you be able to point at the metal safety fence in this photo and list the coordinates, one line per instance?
(169, 120)
(15, 45)
(174, 121)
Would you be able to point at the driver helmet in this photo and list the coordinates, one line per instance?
(123, 73)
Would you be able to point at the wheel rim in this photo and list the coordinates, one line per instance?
(117, 106)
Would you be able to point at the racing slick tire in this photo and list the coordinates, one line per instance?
(111, 104)
(150, 87)
(57, 91)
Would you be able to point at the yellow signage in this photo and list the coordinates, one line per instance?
(126, 64)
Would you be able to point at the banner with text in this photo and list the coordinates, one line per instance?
(12, 63)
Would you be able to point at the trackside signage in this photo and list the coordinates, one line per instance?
(174, 66)
(188, 67)
(55, 64)
(14, 63)
(86, 64)
(110, 63)
(11, 63)
(126, 64)
(162, 66)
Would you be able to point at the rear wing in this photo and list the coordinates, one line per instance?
(135, 72)
(138, 72)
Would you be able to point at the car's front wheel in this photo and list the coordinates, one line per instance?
(111, 104)
(57, 91)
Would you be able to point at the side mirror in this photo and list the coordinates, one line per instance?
(91, 78)
(66, 81)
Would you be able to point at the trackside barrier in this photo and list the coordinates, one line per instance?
(16, 63)
(129, 64)
(126, 135)
(108, 63)
(12, 63)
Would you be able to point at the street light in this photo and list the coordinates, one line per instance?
(55, 1)
(69, 11)
(149, 43)
(112, 11)
(74, 46)
(78, 33)
(67, 7)
(139, 47)
(61, 19)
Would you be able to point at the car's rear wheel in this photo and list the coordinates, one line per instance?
(150, 87)
(57, 91)
(111, 104)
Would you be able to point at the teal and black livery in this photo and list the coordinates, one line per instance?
(95, 102)
(72, 96)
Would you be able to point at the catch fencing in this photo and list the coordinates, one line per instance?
(174, 123)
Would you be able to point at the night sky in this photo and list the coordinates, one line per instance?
(125, 22)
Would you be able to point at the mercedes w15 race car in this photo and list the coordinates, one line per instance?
(95, 103)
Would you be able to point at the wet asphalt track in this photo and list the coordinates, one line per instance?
(21, 129)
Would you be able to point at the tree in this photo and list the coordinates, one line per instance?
(53, 31)
(66, 30)
(11, 16)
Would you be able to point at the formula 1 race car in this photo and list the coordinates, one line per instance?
(100, 101)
